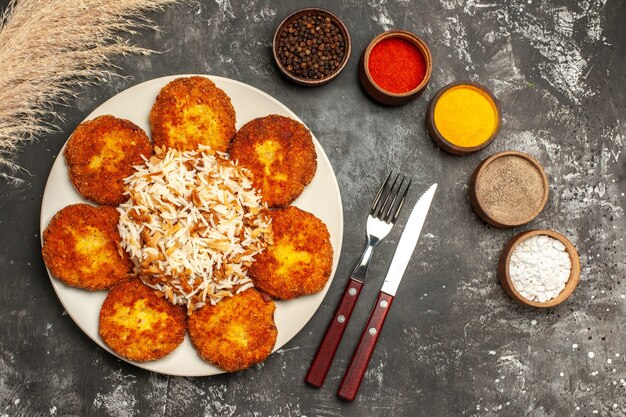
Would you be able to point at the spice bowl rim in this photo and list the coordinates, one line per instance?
(444, 143)
(505, 259)
(388, 97)
(477, 204)
(303, 81)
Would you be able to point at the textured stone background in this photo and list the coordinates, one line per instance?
(454, 343)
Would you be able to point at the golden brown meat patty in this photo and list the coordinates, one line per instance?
(192, 111)
(139, 325)
(300, 260)
(279, 152)
(81, 247)
(101, 153)
(235, 333)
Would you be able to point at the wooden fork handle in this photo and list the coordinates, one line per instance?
(327, 349)
(358, 365)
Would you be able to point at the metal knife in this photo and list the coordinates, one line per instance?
(361, 357)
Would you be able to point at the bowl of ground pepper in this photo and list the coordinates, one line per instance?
(509, 189)
(395, 67)
(463, 117)
(311, 46)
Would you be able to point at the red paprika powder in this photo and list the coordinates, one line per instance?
(396, 65)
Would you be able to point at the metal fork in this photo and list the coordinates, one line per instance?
(382, 216)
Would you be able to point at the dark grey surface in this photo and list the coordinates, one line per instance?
(454, 342)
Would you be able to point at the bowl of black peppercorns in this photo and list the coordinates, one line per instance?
(311, 46)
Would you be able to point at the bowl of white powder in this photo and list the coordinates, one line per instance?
(539, 268)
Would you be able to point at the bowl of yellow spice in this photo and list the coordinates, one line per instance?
(463, 117)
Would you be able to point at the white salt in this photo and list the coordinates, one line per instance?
(540, 268)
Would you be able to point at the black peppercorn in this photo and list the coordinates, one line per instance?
(313, 46)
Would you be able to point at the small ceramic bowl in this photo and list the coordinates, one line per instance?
(505, 277)
(479, 206)
(344, 32)
(444, 143)
(384, 96)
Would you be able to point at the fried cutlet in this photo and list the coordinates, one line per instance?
(279, 152)
(139, 325)
(81, 247)
(300, 260)
(237, 332)
(101, 153)
(192, 111)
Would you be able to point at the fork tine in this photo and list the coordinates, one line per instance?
(387, 215)
(381, 208)
(406, 190)
(379, 193)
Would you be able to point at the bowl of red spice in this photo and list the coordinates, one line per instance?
(395, 67)
(311, 46)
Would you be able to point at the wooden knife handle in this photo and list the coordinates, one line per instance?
(358, 365)
(327, 349)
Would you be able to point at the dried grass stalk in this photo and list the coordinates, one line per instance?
(47, 49)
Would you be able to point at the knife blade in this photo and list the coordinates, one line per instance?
(408, 241)
(351, 381)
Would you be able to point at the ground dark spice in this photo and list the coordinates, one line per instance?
(510, 189)
(396, 65)
(311, 46)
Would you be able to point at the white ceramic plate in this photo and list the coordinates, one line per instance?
(321, 197)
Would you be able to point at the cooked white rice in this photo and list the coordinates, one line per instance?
(193, 225)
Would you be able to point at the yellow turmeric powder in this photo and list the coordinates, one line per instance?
(466, 116)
